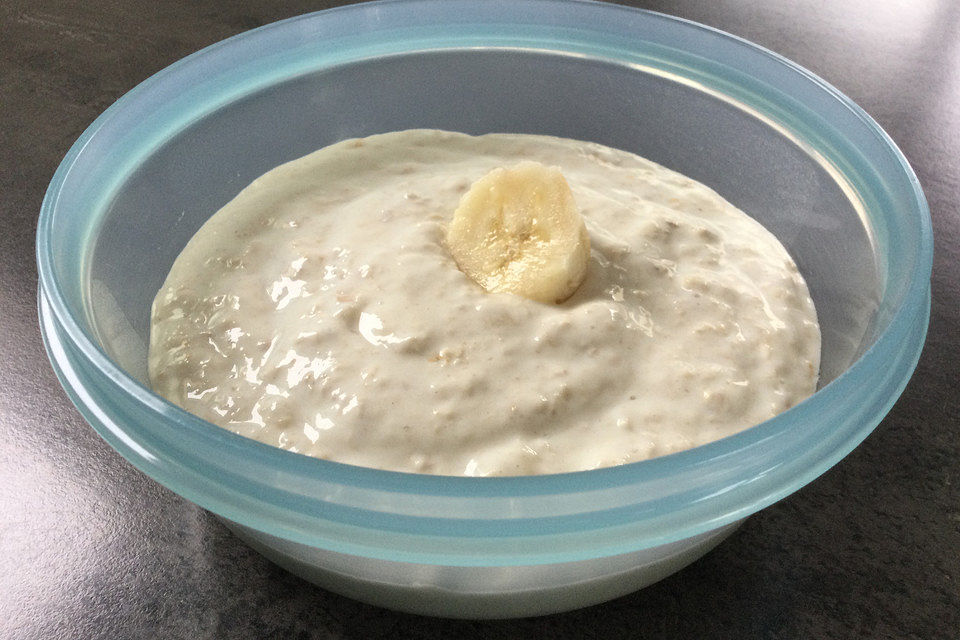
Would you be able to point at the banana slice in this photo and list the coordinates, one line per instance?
(519, 231)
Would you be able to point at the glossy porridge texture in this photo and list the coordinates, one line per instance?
(319, 311)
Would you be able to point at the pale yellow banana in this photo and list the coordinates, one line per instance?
(518, 230)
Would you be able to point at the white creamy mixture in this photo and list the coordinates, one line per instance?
(320, 311)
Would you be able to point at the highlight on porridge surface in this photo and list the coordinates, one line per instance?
(433, 302)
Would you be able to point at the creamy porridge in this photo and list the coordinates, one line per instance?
(321, 311)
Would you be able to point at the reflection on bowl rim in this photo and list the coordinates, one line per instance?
(511, 520)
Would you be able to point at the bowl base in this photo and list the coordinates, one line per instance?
(482, 592)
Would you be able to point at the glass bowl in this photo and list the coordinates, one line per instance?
(769, 136)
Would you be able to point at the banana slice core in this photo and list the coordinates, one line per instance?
(518, 230)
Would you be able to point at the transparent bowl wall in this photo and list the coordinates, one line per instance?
(768, 136)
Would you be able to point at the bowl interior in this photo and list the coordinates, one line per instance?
(753, 163)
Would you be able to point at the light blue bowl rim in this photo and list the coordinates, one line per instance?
(500, 521)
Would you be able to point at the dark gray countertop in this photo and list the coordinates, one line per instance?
(91, 548)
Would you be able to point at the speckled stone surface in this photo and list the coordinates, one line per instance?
(93, 549)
